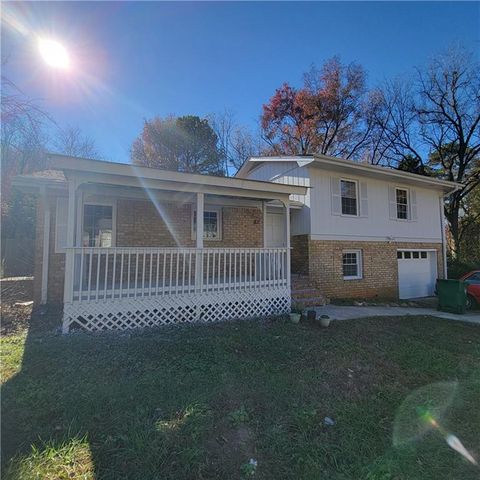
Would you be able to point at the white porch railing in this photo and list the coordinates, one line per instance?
(110, 274)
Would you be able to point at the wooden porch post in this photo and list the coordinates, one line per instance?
(287, 242)
(69, 256)
(46, 246)
(199, 244)
(264, 211)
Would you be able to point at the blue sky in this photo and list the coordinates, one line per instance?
(134, 60)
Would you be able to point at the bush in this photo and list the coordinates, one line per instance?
(457, 268)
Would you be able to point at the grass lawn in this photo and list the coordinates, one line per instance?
(198, 402)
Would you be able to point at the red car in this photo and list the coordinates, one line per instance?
(472, 279)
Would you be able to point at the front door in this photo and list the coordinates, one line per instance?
(275, 230)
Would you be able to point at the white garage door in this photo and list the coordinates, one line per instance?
(417, 271)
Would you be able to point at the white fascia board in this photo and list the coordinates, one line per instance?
(301, 161)
(35, 184)
(349, 166)
(207, 183)
(375, 238)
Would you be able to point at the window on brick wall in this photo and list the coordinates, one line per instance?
(212, 224)
(352, 264)
(97, 225)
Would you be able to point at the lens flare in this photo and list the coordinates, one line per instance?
(54, 53)
(422, 411)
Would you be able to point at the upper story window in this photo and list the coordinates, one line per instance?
(212, 224)
(349, 197)
(402, 203)
(401, 197)
(348, 189)
(97, 225)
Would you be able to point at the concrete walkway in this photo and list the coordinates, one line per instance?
(345, 313)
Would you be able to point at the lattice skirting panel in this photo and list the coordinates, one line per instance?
(167, 310)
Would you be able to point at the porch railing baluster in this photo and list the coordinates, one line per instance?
(177, 271)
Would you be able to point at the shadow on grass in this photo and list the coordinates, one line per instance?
(198, 402)
(135, 405)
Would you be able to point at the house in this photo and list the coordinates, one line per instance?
(359, 230)
(123, 246)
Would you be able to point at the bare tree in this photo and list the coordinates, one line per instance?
(23, 136)
(435, 119)
(397, 127)
(71, 141)
(236, 143)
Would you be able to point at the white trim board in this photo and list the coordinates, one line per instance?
(350, 167)
(362, 238)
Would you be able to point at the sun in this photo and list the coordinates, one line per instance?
(54, 53)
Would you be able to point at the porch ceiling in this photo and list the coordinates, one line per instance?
(171, 196)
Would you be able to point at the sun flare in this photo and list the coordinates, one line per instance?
(54, 53)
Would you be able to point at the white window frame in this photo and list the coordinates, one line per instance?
(359, 275)
(101, 203)
(357, 196)
(409, 215)
(218, 211)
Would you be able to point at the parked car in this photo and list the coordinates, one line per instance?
(472, 279)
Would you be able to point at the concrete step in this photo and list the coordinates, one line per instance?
(311, 302)
(305, 292)
(301, 285)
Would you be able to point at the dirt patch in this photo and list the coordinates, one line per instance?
(15, 318)
(231, 446)
(16, 289)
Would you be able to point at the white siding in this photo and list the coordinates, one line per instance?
(377, 225)
(317, 219)
(288, 173)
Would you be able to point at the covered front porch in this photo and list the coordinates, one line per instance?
(205, 254)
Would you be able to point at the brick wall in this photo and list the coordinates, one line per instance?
(140, 224)
(56, 261)
(380, 268)
(300, 254)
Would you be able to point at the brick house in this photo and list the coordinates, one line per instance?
(362, 231)
(122, 246)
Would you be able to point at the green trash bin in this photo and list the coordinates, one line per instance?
(452, 295)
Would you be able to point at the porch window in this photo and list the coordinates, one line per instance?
(348, 190)
(352, 264)
(212, 224)
(97, 225)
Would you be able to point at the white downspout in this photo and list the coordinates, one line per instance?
(444, 243)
